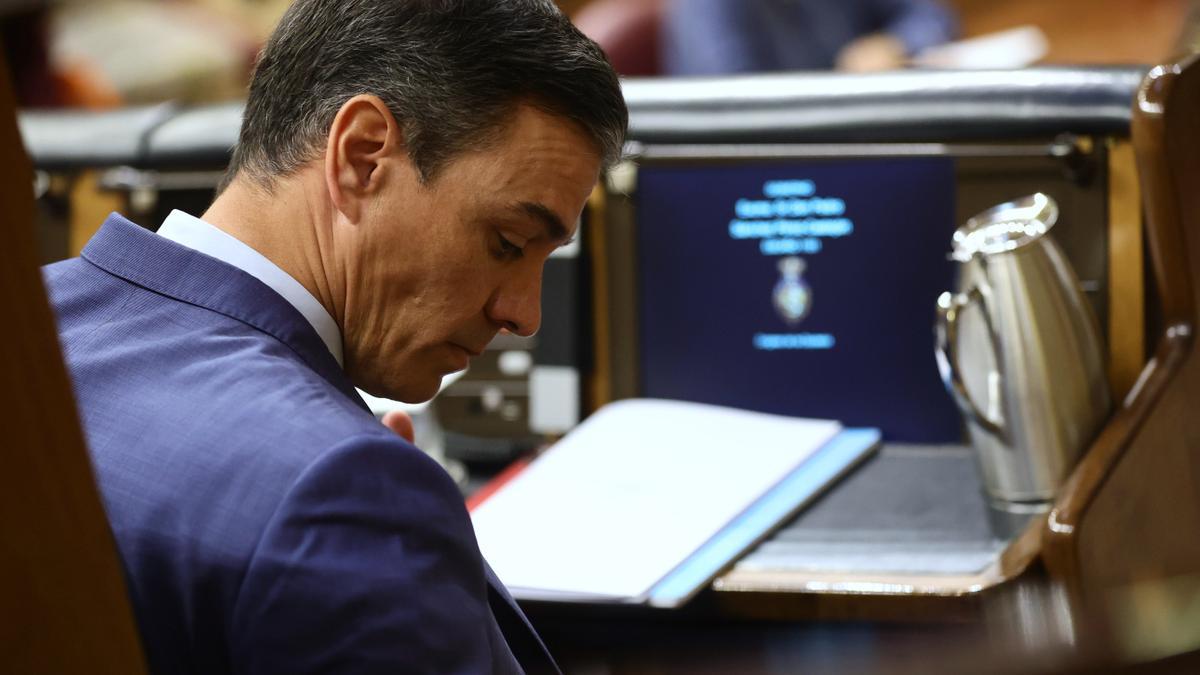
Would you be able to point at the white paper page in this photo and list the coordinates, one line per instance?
(631, 492)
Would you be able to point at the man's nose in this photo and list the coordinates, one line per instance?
(517, 304)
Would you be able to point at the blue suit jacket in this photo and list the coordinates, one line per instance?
(267, 522)
(716, 37)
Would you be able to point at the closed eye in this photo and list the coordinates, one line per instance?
(507, 249)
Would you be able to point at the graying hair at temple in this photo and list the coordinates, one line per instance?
(450, 71)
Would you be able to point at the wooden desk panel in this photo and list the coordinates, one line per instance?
(1086, 31)
(62, 592)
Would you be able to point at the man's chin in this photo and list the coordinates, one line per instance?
(417, 392)
(405, 389)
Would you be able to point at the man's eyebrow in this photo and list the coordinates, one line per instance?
(556, 230)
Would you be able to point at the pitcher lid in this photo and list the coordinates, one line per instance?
(1005, 227)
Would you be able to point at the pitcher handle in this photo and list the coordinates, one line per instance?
(949, 305)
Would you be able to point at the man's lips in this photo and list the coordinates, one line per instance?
(469, 350)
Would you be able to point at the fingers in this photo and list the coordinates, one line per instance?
(400, 423)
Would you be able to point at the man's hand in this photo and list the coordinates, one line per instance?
(871, 53)
(399, 422)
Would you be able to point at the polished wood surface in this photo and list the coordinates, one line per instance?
(89, 207)
(65, 608)
(599, 380)
(1085, 31)
(1131, 509)
(1126, 272)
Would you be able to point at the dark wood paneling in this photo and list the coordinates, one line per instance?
(62, 594)
(1131, 509)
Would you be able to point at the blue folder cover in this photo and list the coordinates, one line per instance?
(817, 473)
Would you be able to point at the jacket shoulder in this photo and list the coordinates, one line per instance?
(370, 559)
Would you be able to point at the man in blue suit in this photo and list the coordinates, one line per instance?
(716, 37)
(404, 169)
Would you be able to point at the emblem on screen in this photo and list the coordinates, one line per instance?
(793, 297)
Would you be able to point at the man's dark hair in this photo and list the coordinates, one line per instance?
(451, 72)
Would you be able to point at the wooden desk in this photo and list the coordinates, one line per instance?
(1030, 629)
(1122, 514)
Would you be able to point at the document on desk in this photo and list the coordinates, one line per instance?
(636, 504)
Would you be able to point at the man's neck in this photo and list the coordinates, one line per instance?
(290, 228)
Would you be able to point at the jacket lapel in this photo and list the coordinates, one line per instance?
(141, 257)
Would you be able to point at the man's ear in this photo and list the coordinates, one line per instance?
(361, 139)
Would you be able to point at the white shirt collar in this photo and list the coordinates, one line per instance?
(198, 235)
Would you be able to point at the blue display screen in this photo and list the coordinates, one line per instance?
(799, 288)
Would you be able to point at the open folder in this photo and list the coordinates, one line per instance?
(648, 500)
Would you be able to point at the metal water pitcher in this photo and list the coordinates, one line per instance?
(1019, 349)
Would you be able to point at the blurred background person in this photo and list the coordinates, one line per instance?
(627, 30)
(713, 37)
(110, 53)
